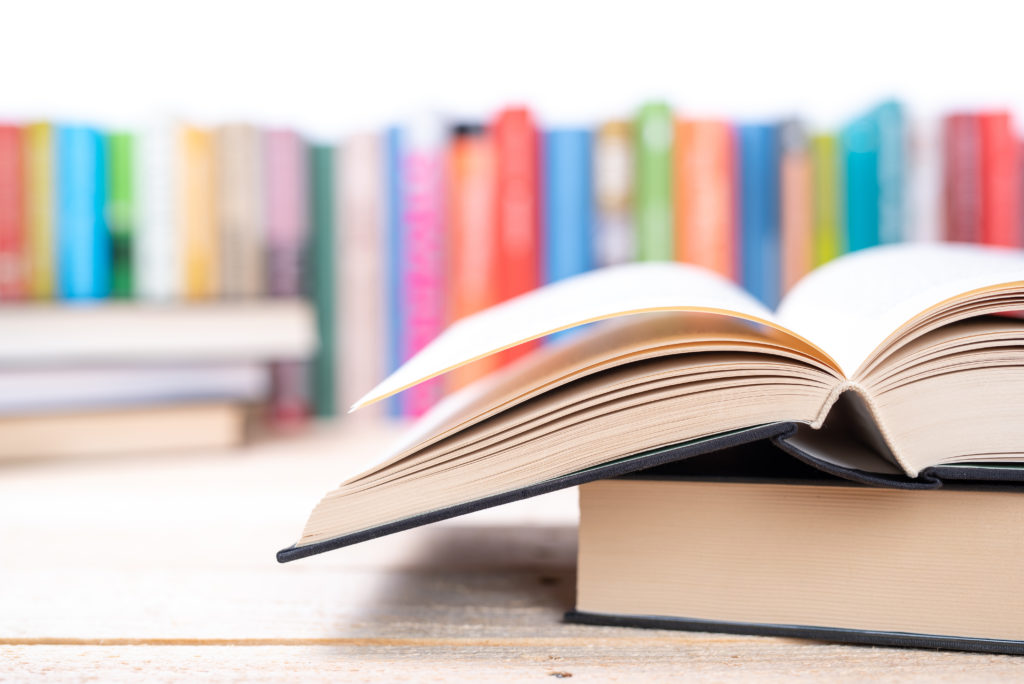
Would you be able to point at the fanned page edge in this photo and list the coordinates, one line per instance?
(554, 297)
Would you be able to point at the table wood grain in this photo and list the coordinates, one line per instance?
(161, 567)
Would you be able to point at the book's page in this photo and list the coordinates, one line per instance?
(594, 296)
(850, 306)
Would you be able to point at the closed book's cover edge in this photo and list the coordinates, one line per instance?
(833, 634)
(601, 472)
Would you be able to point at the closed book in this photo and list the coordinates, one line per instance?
(473, 246)
(121, 210)
(653, 133)
(827, 191)
(891, 121)
(927, 198)
(613, 189)
(961, 146)
(40, 211)
(12, 213)
(860, 149)
(197, 217)
(395, 258)
(239, 165)
(322, 264)
(795, 204)
(157, 254)
(516, 141)
(705, 215)
(1000, 180)
(286, 192)
(83, 237)
(758, 161)
(568, 201)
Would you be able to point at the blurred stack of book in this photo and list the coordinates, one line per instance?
(214, 237)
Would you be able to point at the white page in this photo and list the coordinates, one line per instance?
(598, 295)
(850, 306)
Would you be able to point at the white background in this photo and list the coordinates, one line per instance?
(333, 67)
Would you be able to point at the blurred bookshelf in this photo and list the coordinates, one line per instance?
(178, 280)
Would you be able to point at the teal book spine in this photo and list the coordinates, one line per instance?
(653, 132)
(322, 261)
(83, 238)
(891, 122)
(860, 165)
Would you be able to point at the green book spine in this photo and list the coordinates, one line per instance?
(121, 210)
(829, 234)
(322, 266)
(653, 135)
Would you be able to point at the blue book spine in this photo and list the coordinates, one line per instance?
(891, 122)
(758, 147)
(860, 165)
(568, 203)
(83, 238)
(395, 243)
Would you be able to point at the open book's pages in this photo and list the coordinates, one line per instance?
(669, 353)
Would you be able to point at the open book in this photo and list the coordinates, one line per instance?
(883, 364)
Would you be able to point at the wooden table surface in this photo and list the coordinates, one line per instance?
(162, 567)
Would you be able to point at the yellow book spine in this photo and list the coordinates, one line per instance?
(40, 210)
(198, 213)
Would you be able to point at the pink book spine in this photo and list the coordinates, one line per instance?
(423, 277)
(287, 230)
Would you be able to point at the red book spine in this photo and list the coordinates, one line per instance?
(962, 153)
(517, 177)
(12, 214)
(1000, 181)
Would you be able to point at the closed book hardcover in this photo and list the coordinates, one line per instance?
(653, 132)
(83, 239)
(286, 192)
(758, 160)
(364, 280)
(121, 210)
(827, 194)
(613, 190)
(12, 213)
(323, 371)
(962, 165)
(156, 247)
(891, 121)
(516, 140)
(1000, 180)
(796, 204)
(395, 249)
(705, 221)
(239, 162)
(925, 170)
(40, 211)
(568, 201)
(424, 247)
(473, 236)
(197, 218)
(860, 144)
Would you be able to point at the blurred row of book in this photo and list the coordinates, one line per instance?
(235, 266)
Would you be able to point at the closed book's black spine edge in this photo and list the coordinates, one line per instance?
(615, 469)
(837, 635)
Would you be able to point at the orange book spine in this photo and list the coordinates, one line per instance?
(795, 205)
(705, 221)
(198, 227)
(474, 257)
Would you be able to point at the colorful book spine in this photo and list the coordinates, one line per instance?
(286, 190)
(83, 239)
(962, 165)
(1000, 181)
(516, 142)
(860, 172)
(473, 252)
(395, 246)
(239, 169)
(323, 371)
(423, 232)
(568, 200)
(366, 308)
(121, 210)
(705, 222)
(759, 210)
(653, 202)
(613, 189)
(827, 193)
(925, 160)
(796, 204)
(197, 218)
(40, 211)
(891, 123)
(156, 248)
(12, 213)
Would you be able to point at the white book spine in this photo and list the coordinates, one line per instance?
(157, 252)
